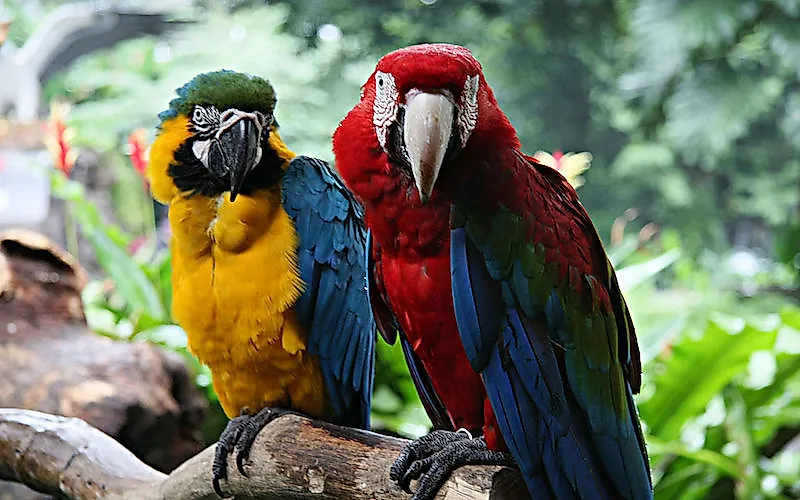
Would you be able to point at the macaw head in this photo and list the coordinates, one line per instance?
(219, 135)
(428, 105)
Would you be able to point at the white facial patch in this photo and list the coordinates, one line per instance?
(385, 107)
(200, 150)
(468, 109)
(205, 119)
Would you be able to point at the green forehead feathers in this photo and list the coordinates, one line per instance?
(223, 89)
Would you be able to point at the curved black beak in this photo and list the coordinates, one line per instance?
(235, 153)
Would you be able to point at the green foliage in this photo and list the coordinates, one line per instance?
(721, 377)
(722, 352)
(712, 90)
(124, 89)
(714, 405)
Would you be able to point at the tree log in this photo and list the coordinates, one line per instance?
(50, 361)
(293, 458)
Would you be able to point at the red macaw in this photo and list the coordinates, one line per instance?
(509, 312)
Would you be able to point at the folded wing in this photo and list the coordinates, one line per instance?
(334, 307)
(542, 319)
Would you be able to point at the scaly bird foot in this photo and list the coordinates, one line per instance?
(437, 455)
(238, 436)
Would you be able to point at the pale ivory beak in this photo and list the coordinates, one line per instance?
(427, 128)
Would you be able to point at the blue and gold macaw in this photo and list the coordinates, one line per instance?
(268, 262)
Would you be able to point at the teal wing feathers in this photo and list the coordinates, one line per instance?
(334, 307)
(542, 319)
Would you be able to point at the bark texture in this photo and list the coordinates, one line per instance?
(293, 458)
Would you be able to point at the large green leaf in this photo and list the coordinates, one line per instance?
(740, 431)
(776, 402)
(718, 461)
(697, 370)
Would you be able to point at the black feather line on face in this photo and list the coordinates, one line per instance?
(192, 177)
(396, 147)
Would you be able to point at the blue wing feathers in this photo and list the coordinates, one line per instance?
(613, 435)
(478, 305)
(334, 307)
(526, 353)
(561, 442)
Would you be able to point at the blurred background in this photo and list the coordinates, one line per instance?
(690, 112)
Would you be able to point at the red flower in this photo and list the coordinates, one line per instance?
(58, 137)
(137, 149)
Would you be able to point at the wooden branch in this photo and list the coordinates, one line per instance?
(293, 457)
(66, 456)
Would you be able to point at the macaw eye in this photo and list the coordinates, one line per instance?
(205, 118)
(386, 105)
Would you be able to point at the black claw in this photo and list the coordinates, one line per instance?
(250, 431)
(420, 449)
(227, 441)
(417, 468)
(432, 459)
(218, 488)
(238, 437)
(240, 458)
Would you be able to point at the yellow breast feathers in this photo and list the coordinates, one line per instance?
(235, 280)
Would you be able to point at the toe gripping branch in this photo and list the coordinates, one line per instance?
(239, 436)
(435, 456)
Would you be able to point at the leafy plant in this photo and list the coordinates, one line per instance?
(715, 406)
